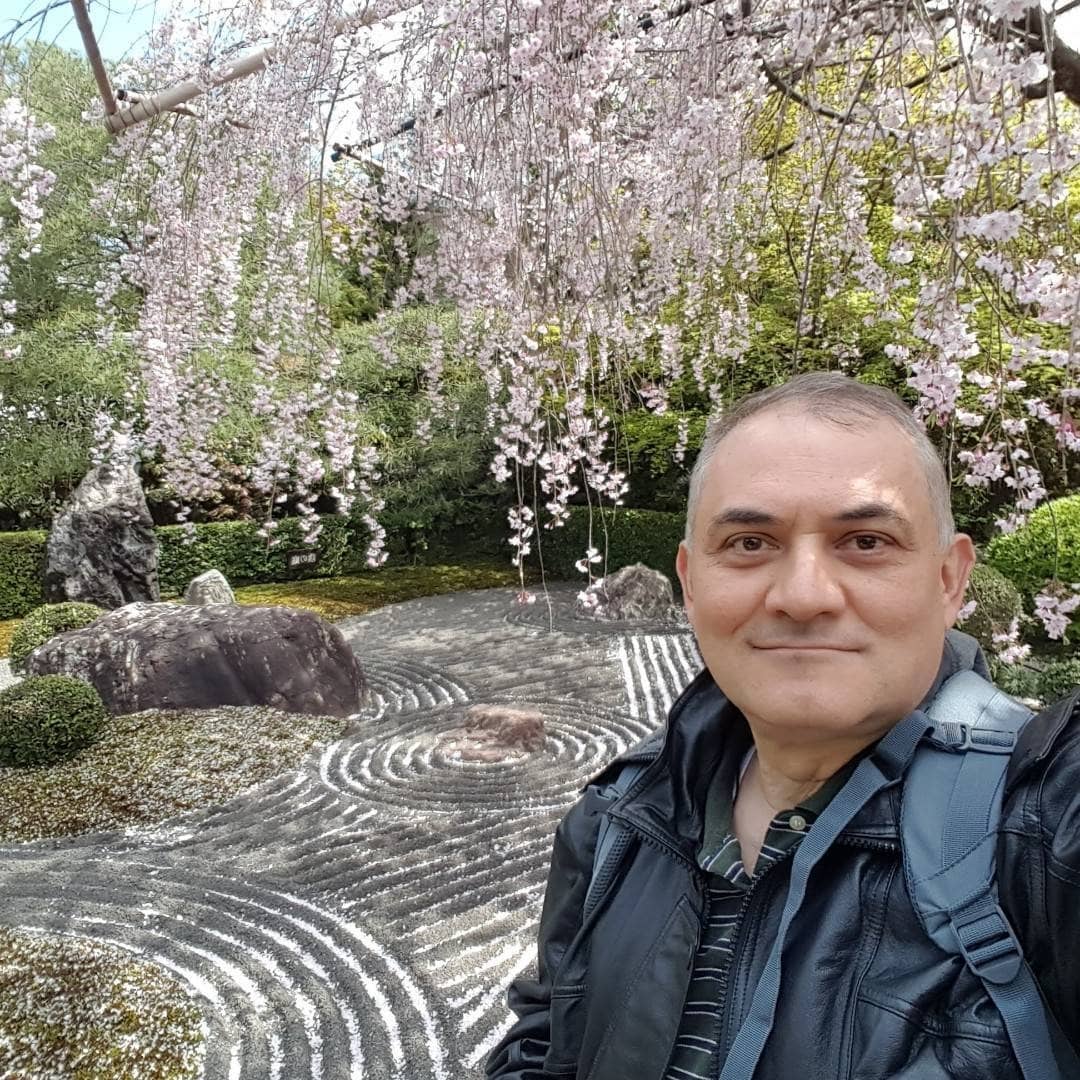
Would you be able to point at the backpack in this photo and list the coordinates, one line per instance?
(953, 759)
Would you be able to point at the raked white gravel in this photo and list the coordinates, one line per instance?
(6, 678)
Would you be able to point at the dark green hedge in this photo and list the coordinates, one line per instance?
(236, 549)
(22, 568)
(1047, 546)
(233, 547)
(624, 535)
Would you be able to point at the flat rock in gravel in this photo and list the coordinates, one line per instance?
(179, 656)
(209, 588)
(102, 548)
(633, 593)
(496, 732)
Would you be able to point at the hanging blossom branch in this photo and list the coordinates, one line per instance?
(614, 195)
(600, 172)
(24, 188)
(222, 244)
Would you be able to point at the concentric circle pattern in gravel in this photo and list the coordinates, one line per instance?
(416, 763)
(361, 916)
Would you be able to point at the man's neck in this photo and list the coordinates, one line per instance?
(780, 778)
(783, 776)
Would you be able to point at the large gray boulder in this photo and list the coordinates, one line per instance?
(180, 656)
(209, 588)
(102, 548)
(634, 593)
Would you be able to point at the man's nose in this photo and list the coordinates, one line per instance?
(804, 586)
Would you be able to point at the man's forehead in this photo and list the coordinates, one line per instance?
(778, 464)
(765, 444)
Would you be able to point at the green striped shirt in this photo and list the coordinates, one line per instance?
(696, 1049)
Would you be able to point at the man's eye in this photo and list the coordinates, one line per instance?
(868, 543)
(748, 544)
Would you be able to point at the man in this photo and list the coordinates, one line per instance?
(821, 571)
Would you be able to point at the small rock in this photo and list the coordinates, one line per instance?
(634, 593)
(102, 548)
(209, 588)
(496, 732)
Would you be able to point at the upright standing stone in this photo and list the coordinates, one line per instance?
(102, 547)
(209, 588)
(634, 593)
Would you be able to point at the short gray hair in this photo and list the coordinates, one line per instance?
(838, 399)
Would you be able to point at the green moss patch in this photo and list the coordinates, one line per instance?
(152, 765)
(83, 1010)
(336, 598)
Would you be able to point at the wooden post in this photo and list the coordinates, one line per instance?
(93, 54)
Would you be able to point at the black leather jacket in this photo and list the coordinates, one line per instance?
(865, 996)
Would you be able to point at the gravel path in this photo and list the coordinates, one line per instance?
(6, 678)
(363, 915)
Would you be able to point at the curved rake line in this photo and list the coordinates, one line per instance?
(457, 935)
(250, 993)
(487, 1044)
(229, 1018)
(525, 958)
(406, 981)
(326, 941)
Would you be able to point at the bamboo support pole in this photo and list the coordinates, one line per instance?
(146, 106)
(93, 54)
(168, 100)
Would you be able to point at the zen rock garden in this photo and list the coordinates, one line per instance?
(332, 861)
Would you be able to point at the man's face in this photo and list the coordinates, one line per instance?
(815, 581)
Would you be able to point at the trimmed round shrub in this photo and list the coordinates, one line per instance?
(998, 600)
(1017, 679)
(47, 718)
(1047, 546)
(1059, 678)
(46, 622)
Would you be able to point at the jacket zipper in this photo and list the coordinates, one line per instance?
(598, 889)
(870, 843)
(724, 1038)
(737, 948)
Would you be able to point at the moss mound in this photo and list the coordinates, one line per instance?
(1047, 547)
(75, 1008)
(1059, 678)
(148, 767)
(48, 718)
(46, 622)
(998, 602)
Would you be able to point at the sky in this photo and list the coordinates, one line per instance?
(121, 26)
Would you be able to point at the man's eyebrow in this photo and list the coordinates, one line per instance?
(742, 515)
(869, 511)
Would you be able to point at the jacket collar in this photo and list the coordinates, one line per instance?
(668, 803)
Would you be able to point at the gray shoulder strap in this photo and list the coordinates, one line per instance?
(951, 808)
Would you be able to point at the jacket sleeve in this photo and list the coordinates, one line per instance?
(520, 1055)
(1053, 923)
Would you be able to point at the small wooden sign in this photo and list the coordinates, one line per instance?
(301, 557)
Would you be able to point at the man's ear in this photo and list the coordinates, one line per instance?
(955, 571)
(682, 568)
